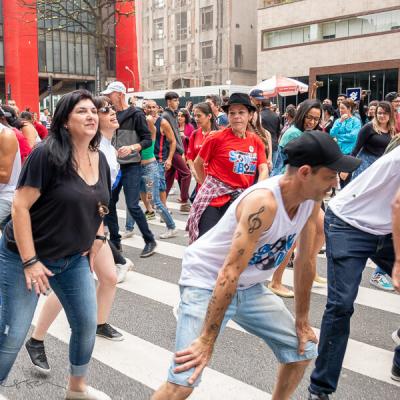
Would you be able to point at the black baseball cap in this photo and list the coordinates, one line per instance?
(316, 148)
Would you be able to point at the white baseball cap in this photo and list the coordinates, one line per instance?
(115, 86)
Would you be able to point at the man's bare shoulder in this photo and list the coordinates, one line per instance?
(259, 198)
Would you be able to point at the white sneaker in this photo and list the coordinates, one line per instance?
(89, 394)
(130, 264)
(170, 233)
(127, 234)
(122, 270)
(396, 337)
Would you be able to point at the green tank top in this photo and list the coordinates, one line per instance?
(148, 153)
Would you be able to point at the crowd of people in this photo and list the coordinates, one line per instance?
(271, 192)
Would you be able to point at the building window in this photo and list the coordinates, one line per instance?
(158, 3)
(206, 50)
(238, 56)
(159, 85)
(181, 54)
(342, 28)
(180, 3)
(158, 28)
(181, 25)
(206, 18)
(158, 58)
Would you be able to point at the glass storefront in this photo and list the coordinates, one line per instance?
(379, 83)
(64, 45)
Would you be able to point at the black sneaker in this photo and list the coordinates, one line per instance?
(322, 396)
(148, 249)
(108, 332)
(395, 373)
(37, 355)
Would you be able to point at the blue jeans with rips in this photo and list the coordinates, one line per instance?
(347, 251)
(74, 285)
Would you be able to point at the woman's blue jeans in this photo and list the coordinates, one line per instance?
(74, 285)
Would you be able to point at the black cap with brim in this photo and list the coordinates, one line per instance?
(345, 164)
(239, 98)
(316, 148)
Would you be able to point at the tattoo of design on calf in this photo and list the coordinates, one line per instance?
(241, 252)
(254, 220)
(237, 235)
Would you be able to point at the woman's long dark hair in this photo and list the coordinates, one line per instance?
(58, 142)
(205, 108)
(303, 110)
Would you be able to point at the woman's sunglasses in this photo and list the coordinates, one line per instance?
(106, 109)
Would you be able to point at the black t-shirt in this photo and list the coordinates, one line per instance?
(371, 141)
(65, 218)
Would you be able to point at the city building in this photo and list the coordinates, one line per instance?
(343, 44)
(38, 56)
(192, 43)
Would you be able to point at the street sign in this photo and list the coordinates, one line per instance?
(354, 93)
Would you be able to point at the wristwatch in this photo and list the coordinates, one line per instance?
(102, 238)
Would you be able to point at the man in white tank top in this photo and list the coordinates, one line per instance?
(10, 167)
(224, 271)
(359, 223)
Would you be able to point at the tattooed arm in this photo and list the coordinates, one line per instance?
(254, 214)
(304, 272)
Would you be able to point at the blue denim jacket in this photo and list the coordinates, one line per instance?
(346, 133)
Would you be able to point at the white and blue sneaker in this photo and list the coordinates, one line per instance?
(381, 281)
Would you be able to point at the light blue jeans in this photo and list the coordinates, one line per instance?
(74, 285)
(5, 211)
(255, 309)
(152, 182)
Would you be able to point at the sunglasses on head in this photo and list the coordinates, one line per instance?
(106, 109)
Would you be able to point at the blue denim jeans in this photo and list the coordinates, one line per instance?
(74, 285)
(161, 174)
(130, 181)
(151, 180)
(255, 309)
(347, 251)
(5, 212)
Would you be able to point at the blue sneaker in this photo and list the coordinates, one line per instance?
(381, 281)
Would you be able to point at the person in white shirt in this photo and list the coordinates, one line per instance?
(358, 226)
(10, 167)
(224, 270)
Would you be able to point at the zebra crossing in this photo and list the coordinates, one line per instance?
(242, 367)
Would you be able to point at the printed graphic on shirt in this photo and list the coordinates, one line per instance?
(271, 255)
(243, 163)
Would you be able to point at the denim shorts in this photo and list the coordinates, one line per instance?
(256, 309)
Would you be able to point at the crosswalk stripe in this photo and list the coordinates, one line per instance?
(2, 397)
(148, 364)
(368, 297)
(360, 357)
(181, 225)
